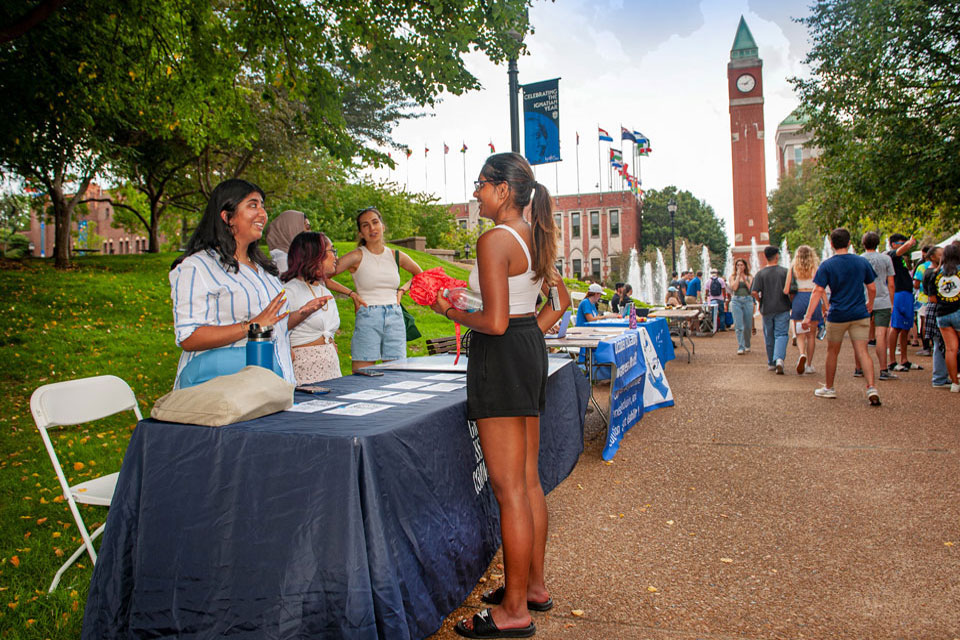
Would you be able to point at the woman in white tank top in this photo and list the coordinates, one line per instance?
(379, 332)
(507, 374)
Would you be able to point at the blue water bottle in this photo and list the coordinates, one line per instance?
(260, 351)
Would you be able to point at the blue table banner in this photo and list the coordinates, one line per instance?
(657, 328)
(656, 392)
(626, 409)
(624, 354)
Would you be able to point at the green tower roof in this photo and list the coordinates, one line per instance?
(744, 46)
(795, 118)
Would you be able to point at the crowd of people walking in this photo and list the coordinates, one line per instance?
(878, 298)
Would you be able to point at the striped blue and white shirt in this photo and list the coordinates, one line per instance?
(204, 294)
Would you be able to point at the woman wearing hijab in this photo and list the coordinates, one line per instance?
(280, 233)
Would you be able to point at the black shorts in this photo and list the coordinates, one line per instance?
(507, 375)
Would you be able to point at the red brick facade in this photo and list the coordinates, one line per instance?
(98, 220)
(617, 230)
(745, 89)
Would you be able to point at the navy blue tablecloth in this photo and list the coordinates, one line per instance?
(310, 525)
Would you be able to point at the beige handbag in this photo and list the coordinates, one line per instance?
(250, 393)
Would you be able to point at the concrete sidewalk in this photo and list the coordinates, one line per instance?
(753, 509)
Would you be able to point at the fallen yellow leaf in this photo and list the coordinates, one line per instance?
(652, 589)
(577, 612)
(77, 466)
(727, 560)
(15, 561)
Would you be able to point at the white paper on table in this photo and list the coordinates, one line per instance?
(312, 406)
(445, 376)
(358, 409)
(443, 386)
(367, 394)
(406, 384)
(407, 398)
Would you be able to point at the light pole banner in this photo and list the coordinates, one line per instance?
(541, 121)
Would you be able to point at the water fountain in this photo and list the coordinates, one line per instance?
(785, 255)
(635, 274)
(661, 280)
(705, 261)
(827, 250)
(728, 264)
(682, 258)
(648, 296)
(754, 256)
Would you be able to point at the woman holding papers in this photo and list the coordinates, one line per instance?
(507, 376)
(312, 257)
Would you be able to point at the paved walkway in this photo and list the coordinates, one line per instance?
(753, 510)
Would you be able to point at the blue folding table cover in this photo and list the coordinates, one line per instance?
(293, 526)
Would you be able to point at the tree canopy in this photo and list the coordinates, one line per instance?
(154, 89)
(883, 100)
(695, 221)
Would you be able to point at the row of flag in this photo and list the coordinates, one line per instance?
(446, 149)
(642, 141)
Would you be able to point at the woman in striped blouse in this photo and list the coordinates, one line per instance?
(222, 283)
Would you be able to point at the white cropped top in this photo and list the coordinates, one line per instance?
(523, 289)
(377, 277)
(805, 285)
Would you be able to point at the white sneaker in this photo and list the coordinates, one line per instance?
(825, 392)
(779, 366)
(739, 352)
(955, 388)
(747, 349)
(771, 367)
(801, 363)
(873, 397)
(809, 370)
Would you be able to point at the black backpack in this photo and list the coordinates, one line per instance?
(716, 289)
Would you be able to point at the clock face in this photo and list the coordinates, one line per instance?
(746, 83)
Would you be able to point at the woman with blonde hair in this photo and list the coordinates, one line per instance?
(804, 267)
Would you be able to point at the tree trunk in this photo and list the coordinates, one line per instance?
(62, 214)
(154, 233)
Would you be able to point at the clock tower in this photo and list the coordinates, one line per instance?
(745, 88)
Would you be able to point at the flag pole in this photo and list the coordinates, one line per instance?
(446, 195)
(464, 171)
(578, 168)
(599, 164)
(426, 183)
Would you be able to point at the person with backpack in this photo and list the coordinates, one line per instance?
(717, 295)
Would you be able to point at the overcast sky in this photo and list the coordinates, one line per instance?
(652, 66)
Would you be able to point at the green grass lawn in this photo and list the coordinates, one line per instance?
(109, 314)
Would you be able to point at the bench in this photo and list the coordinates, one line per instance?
(448, 344)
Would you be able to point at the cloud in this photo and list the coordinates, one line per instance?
(656, 67)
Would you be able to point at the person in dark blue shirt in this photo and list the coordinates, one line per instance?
(845, 274)
(693, 288)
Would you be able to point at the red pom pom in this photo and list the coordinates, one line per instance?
(425, 285)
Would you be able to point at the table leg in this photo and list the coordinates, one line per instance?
(589, 360)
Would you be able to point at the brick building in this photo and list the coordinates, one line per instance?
(595, 228)
(97, 221)
(793, 144)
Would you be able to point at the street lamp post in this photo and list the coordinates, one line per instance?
(466, 250)
(672, 208)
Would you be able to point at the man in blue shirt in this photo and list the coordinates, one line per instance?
(846, 274)
(693, 288)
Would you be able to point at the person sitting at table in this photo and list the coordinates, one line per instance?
(587, 309)
(506, 379)
(223, 283)
(312, 258)
(380, 333)
(626, 299)
(673, 297)
(281, 231)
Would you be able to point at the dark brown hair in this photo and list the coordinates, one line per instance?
(360, 241)
(514, 170)
(307, 249)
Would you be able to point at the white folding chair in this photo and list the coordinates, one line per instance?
(76, 402)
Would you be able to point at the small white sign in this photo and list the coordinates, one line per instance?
(312, 406)
(406, 398)
(358, 409)
(406, 384)
(367, 394)
(443, 386)
(446, 376)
